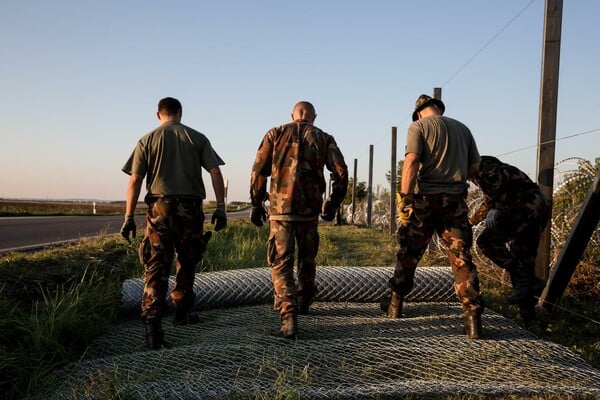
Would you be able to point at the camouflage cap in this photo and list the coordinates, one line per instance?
(423, 101)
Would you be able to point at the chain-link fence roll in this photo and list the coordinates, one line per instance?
(253, 286)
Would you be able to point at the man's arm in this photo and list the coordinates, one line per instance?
(261, 170)
(133, 193)
(410, 168)
(339, 173)
(131, 198)
(218, 185)
(473, 170)
(219, 217)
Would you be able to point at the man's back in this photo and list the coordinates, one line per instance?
(294, 155)
(507, 187)
(446, 149)
(172, 157)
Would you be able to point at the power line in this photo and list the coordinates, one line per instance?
(488, 42)
(551, 141)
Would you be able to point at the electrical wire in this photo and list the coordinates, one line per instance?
(488, 43)
(551, 141)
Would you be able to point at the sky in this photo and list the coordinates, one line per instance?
(80, 81)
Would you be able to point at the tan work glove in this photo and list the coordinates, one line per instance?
(406, 211)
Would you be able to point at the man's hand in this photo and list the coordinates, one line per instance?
(219, 218)
(492, 219)
(128, 227)
(328, 213)
(406, 211)
(258, 215)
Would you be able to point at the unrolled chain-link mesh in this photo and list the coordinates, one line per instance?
(347, 348)
(253, 286)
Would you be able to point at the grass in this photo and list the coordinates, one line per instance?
(9, 208)
(21, 208)
(55, 302)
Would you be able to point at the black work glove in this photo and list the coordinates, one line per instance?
(258, 215)
(492, 219)
(128, 227)
(219, 218)
(329, 210)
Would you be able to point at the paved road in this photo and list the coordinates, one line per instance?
(28, 233)
(31, 233)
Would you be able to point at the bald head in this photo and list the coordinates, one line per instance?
(304, 111)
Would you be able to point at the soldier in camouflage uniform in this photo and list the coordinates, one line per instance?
(294, 156)
(515, 213)
(440, 155)
(171, 158)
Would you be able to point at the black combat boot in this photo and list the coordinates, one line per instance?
(306, 295)
(182, 317)
(155, 337)
(392, 304)
(527, 311)
(304, 305)
(526, 285)
(289, 326)
(472, 321)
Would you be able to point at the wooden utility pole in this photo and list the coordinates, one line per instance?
(547, 122)
(354, 189)
(393, 179)
(437, 94)
(574, 247)
(370, 188)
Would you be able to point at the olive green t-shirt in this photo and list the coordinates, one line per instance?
(171, 157)
(446, 149)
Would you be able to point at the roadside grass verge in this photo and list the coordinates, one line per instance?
(55, 302)
(22, 208)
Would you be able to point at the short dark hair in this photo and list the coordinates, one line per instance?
(169, 106)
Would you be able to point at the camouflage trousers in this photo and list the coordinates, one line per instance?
(513, 242)
(281, 248)
(173, 226)
(446, 215)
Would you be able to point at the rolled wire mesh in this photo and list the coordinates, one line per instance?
(253, 286)
(347, 349)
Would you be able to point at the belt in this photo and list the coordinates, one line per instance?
(170, 198)
(449, 196)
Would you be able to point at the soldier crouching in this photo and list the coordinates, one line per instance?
(515, 212)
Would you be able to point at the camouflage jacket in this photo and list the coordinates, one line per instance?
(294, 155)
(508, 189)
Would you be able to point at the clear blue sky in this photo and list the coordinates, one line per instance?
(80, 80)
